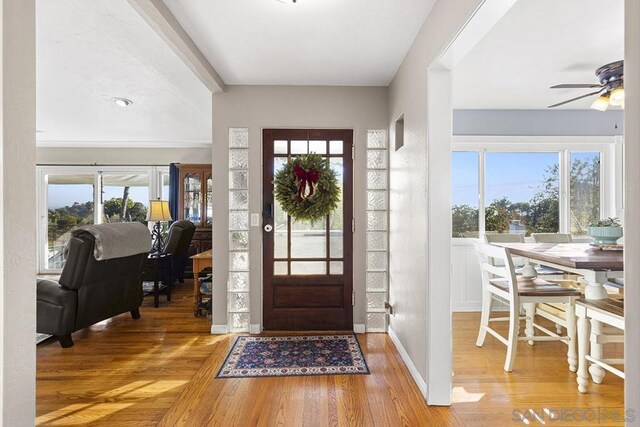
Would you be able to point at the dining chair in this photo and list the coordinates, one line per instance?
(503, 238)
(552, 238)
(499, 282)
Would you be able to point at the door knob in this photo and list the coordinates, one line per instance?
(268, 228)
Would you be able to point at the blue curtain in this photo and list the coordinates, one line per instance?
(174, 185)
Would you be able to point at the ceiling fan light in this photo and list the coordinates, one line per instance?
(617, 96)
(601, 104)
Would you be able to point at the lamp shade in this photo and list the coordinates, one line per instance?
(601, 104)
(159, 211)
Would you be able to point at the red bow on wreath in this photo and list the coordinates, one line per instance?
(305, 177)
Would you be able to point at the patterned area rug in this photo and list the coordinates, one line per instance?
(294, 356)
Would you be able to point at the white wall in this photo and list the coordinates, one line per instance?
(262, 107)
(408, 179)
(632, 209)
(121, 156)
(18, 219)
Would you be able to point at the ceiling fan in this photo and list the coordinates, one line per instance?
(610, 89)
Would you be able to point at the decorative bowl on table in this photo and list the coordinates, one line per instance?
(606, 232)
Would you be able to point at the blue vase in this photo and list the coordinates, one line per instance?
(606, 235)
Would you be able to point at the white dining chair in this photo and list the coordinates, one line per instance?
(499, 281)
(552, 238)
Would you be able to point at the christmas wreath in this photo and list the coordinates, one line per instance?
(307, 188)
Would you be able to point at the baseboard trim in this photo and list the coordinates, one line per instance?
(359, 328)
(408, 362)
(471, 307)
(219, 329)
(464, 307)
(255, 329)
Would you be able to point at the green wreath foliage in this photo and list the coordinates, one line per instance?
(308, 207)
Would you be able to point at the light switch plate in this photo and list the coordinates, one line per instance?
(255, 220)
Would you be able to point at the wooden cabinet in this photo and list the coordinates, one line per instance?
(195, 204)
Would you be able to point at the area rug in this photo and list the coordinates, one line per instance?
(294, 356)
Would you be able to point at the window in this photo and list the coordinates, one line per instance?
(521, 193)
(78, 195)
(70, 203)
(584, 191)
(464, 186)
(527, 185)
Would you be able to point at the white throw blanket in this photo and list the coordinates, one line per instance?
(117, 240)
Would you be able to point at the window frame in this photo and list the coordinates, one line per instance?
(609, 148)
(155, 174)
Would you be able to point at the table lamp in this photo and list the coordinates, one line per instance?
(158, 212)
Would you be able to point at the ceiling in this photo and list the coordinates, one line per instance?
(312, 42)
(89, 52)
(538, 44)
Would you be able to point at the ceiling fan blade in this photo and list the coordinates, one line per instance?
(576, 86)
(575, 99)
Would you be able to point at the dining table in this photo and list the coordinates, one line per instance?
(597, 266)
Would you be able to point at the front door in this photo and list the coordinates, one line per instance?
(308, 269)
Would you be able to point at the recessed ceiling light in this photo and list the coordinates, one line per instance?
(123, 102)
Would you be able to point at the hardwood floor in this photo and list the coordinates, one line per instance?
(160, 369)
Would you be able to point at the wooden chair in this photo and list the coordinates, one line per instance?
(501, 283)
(552, 238)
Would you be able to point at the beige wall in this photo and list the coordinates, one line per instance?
(121, 156)
(17, 216)
(408, 179)
(260, 107)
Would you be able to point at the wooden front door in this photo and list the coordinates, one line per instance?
(308, 268)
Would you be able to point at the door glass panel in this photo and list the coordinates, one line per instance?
(308, 240)
(69, 205)
(192, 203)
(280, 147)
(209, 200)
(280, 220)
(335, 147)
(308, 267)
(336, 267)
(125, 197)
(299, 147)
(280, 268)
(318, 147)
(336, 234)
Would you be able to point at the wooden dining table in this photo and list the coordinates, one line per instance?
(596, 265)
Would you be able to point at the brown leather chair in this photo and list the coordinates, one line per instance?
(88, 291)
(178, 242)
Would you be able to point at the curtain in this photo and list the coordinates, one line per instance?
(174, 186)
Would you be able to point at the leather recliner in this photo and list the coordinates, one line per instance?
(178, 242)
(88, 291)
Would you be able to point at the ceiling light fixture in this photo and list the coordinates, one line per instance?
(123, 102)
(602, 103)
(617, 96)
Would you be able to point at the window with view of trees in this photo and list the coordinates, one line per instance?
(584, 192)
(91, 196)
(522, 190)
(521, 193)
(464, 186)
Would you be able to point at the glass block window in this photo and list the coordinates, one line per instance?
(238, 283)
(377, 230)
